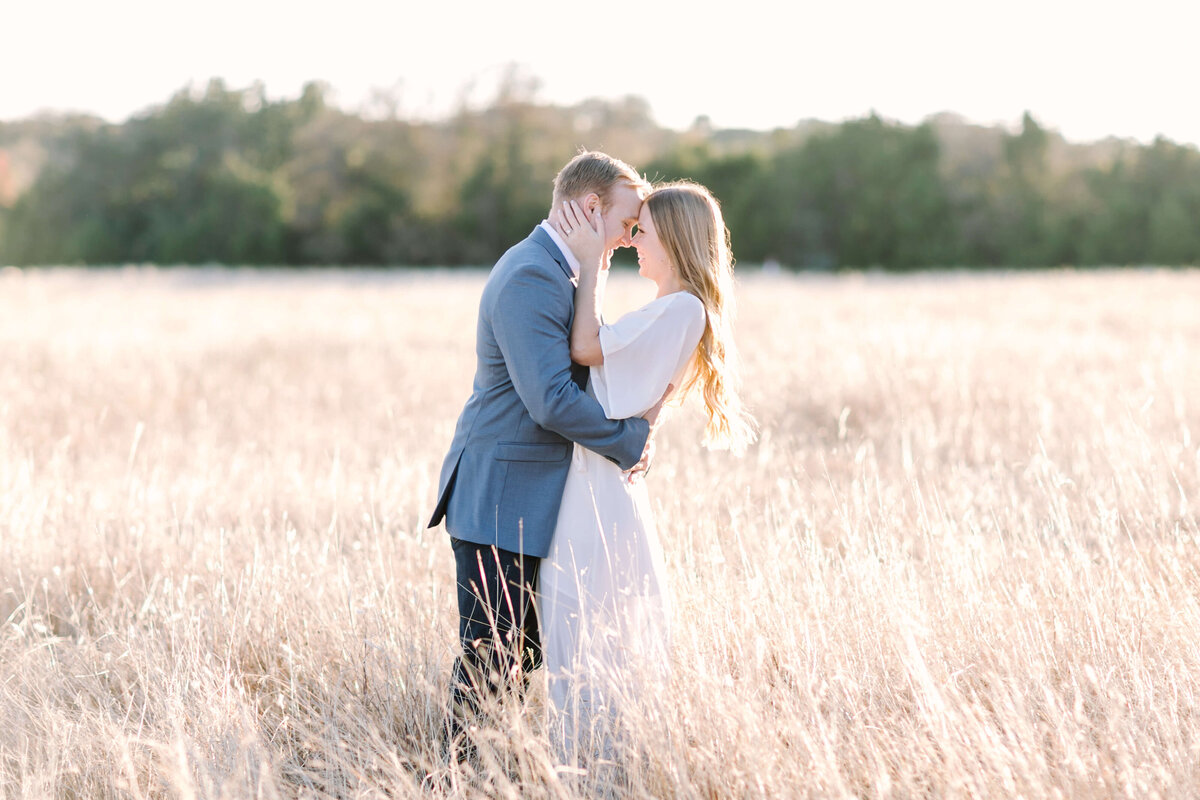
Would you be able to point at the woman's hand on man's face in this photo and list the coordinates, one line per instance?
(584, 234)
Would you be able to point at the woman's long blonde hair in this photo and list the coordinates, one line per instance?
(693, 233)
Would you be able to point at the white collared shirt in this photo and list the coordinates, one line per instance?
(572, 261)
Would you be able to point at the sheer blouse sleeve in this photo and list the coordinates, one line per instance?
(644, 351)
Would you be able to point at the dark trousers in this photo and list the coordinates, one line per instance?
(497, 625)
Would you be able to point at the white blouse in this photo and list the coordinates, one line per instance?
(646, 350)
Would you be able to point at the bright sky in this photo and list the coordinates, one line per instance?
(1088, 68)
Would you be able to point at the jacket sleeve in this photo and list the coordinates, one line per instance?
(530, 320)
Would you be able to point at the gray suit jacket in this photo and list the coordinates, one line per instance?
(502, 481)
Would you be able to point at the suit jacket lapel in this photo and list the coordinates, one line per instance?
(579, 373)
(541, 237)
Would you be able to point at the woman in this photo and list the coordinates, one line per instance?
(604, 600)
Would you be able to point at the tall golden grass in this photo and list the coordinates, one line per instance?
(962, 561)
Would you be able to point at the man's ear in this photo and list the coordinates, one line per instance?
(591, 203)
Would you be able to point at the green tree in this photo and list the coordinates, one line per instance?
(865, 194)
(217, 174)
(188, 183)
(503, 196)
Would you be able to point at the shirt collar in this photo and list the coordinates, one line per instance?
(572, 261)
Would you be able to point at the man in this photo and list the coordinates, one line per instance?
(502, 481)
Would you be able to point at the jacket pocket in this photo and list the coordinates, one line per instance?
(526, 451)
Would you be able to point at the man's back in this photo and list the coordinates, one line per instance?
(502, 480)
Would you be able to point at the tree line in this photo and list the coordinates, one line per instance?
(227, 176)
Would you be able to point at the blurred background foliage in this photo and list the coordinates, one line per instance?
(221, 175)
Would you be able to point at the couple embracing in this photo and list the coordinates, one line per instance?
(543, 491)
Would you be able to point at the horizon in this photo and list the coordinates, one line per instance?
(1086, 73)
(365, 110)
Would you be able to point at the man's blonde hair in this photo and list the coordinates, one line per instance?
(592, 171)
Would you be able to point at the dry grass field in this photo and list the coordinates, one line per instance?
(963, 560)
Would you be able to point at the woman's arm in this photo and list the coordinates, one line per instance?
(585, 327)
(529, 321)
(586, 240)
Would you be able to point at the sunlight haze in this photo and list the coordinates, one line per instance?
(1080, 68)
